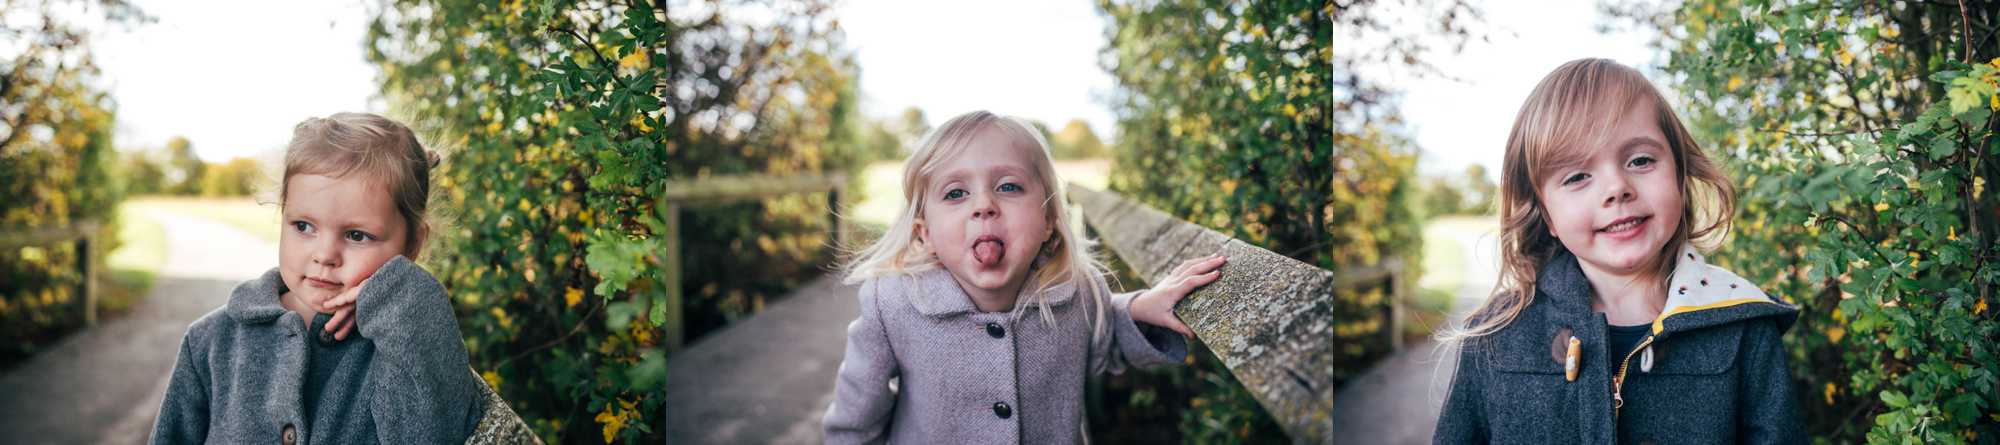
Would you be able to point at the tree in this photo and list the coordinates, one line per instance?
(1479, 191)
(142, 174)
(184, 169)
(914, 125)
(1863, 137)
(238, 177)
(563, 123)
(1077, 141)
(55, 160)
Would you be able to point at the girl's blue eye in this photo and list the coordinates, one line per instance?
(358, 236)
(1574, 178)
(1643, 161)
(1010, 187)
(954, 194)
(302, 226)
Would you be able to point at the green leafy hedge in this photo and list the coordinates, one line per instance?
(1226, 117)
(562, 122)
(1863, 137)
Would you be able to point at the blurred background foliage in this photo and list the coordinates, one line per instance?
(1240, 117)
(1863, 139)
(562, 121)
(56, 164)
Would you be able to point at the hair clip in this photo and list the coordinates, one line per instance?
(1570, 358)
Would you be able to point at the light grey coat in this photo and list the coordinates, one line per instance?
(960, 380)
(253, 372)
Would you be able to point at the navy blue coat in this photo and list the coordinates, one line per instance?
(1716, 371)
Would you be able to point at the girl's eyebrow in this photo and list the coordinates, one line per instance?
(1641, 141)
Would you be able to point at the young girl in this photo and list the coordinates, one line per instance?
(1608, 326)
(347, 340)
(984, 239)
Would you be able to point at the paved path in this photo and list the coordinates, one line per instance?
(766, 379)
(1397, 402)
(105, 384)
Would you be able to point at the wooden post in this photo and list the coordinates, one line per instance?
(833, 216)
(87, 269)
(675, 329)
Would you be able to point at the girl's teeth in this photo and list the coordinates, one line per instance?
(1623, 225)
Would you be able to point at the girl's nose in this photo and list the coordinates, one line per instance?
(327, 255)
(986, 209)
(1620, 191)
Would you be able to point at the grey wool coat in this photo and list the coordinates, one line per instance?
(253, 372)
(966, 376)
(1711, 370)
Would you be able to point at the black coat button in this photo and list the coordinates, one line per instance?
(994, 330)
(1001, 409)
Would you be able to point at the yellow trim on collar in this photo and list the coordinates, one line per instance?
(1659, 324)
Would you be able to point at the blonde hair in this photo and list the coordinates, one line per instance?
(1064, 258)
(1568, 112)
(376, 147)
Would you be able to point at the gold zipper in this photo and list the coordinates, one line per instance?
(1618, 382)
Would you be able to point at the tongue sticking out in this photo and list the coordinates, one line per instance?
(988, 252)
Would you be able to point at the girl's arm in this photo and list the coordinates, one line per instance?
(1144, 331)
(421, 389)
(1770, 410)
(184, 414)
(1463, 418)
(861, 399)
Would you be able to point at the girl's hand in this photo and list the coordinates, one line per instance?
(342, 306)
(1156, 306)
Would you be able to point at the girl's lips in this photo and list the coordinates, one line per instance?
(1625, 228)
(322, 284)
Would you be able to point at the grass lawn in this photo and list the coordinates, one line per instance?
(142, 248)
(882, 187)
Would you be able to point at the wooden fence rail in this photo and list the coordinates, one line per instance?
(1271, 319)
(718, 190)
(84, 236)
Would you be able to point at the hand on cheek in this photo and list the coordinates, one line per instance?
(342, 307)
(1156, 306)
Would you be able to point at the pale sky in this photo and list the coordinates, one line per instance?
(1459, 123)
(1031, 58)
(234, 76)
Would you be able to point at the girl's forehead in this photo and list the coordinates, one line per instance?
(352, 197)
(986, 157)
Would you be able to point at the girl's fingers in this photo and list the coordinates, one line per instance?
(345, 328)
(1175, 324)
(339, 317)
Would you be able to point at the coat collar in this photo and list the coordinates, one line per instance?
(1698, 294)
(938, 295)
(256, 301)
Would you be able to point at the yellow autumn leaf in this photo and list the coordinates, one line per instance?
(492, 379)
(1980, 307)
(1734, 82)
(1829, 393)
(1881, 206)
(572, 296)
(1834, 334)
(637, 59)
